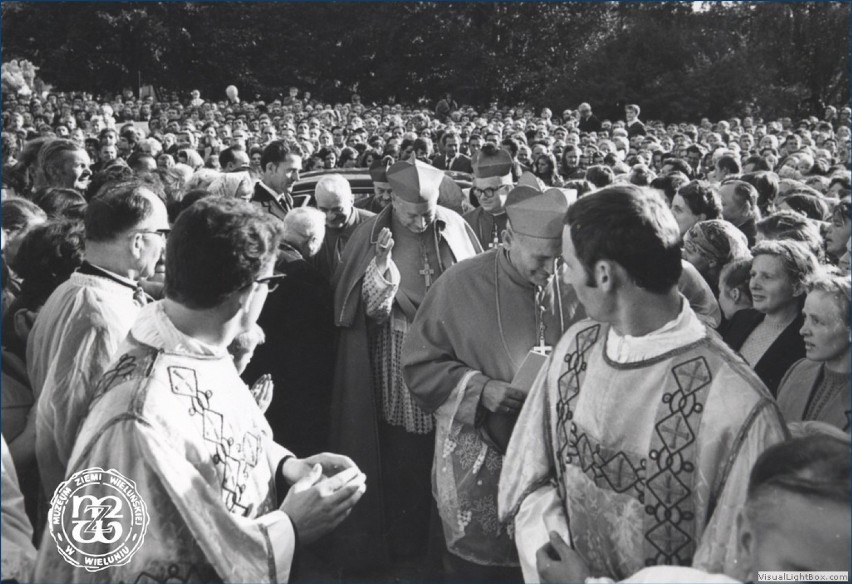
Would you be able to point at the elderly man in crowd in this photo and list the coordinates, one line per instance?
(333, 196)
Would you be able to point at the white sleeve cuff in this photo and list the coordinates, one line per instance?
(282, 537)
(539, 514)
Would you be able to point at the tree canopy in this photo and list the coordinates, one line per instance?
(677, 60)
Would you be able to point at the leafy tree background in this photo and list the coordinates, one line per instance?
(676, 60)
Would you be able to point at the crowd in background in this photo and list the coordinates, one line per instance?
(763, 206)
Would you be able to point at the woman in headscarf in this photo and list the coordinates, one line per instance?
(709, 245)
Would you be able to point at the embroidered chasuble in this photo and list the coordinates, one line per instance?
(638, 449)
(477, 324)
(172, 415)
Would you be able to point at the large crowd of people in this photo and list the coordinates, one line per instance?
(623, 353)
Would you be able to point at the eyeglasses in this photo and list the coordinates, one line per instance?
(164, 233)
(489, 192)
(272, 282)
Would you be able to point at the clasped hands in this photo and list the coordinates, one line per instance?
(325, 489)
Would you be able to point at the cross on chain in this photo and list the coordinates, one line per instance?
(495, 237)
(427, 271)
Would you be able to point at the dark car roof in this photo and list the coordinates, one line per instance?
(359, 179)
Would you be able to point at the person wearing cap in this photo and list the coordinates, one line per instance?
(381, 197)
(466, 345)
(387, 267)
(492, 181)
(642, 430)
(333, 195)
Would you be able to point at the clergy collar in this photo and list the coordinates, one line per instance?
(90, 269)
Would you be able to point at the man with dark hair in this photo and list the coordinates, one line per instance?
(234, 159)
(643, 431)
(739, 206)
(756, 163)
(767, 184)
(280, 164)
(672, 164)
(694, 202)
(77, 332)
(451, 158)
(600, 175)
(173, 414)
(727, 166)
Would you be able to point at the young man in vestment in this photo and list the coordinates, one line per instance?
(78, 331)
(469, 339)
(390, 262)
(796, 518)
(492, 181)
(173, 417)
(636, 444)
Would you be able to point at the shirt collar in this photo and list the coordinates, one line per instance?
(683, 330)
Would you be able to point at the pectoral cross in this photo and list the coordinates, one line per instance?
(426, 272)
(495, 236)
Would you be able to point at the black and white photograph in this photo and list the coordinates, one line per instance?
(425, 292)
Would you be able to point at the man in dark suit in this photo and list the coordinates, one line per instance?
(280, 165)
(299, 350)
(451, 159)
(589, 122)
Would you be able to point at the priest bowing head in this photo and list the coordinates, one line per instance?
(533, 237)
(414, 186)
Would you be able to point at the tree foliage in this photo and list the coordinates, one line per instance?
(676, 60)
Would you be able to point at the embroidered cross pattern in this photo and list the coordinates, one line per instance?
(235, 459)
(670, 509)
(573, 368)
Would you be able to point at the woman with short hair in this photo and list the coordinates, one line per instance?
(817, 387)
(767, 336)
